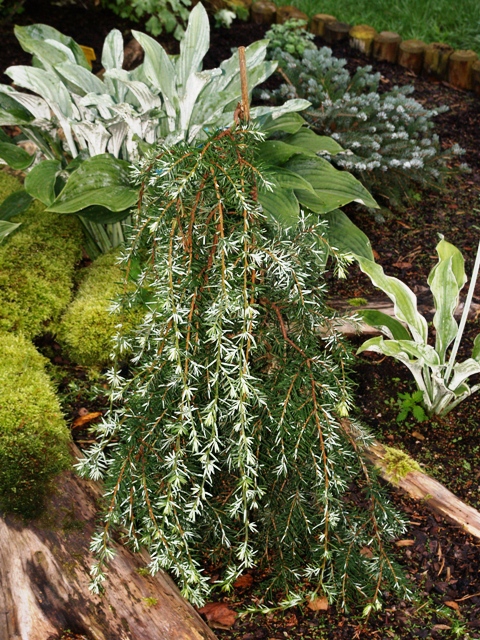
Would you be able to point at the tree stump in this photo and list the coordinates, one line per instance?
(410, 55)
(290, 13)
(319, 21)
(385, 46)
(336, 31)
(460, 68)
(263, 12)
(44, 575)
(476, 77)
(435, 60)
(361, 38)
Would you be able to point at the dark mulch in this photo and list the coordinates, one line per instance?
(442, 562)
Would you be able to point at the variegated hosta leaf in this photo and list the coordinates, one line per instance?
(384, 323)
(112, 52)
(33, 37)
(193, 47)
(462, 371)
(79, 79)
(92, 136)
(404, 300)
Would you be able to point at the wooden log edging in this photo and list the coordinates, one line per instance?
(420, 486)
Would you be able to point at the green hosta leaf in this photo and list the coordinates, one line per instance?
(112, 52)
(287, 122)
(333, 188)
(6, 228)
(15, 204)
(285, 179)
(404, 300)
(33, 36)
(310, 141)
(281, 205)
(40, 181)
(193, 47)
(345, 236)
(102, 180)
(385, 323)
(102, 215)
(15, 156)
(12, 113)
(276, 152)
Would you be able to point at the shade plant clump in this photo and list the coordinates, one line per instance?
(160, 16)
(388, 137)
(225, 445)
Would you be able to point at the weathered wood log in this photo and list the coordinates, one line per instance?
(361, 38)
(420, 486)
(476, 77)
(460, 68)
(319, 21)
(44, 578)
(336, 31)
(263, 12)
(435, 60)
(290, 13)
(410, 55)
(385, 46)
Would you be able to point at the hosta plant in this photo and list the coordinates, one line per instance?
(442, 381)
(225, 447)
(88, 130)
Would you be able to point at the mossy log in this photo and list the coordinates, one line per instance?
(460, 68)
(319, 21)
(420, 486)
(476, 77)
(411, 54)
(336, 31)
(435, 61)
(263, 12)
(385, 46)
(361, 38)
(44, 573)
(289, 13)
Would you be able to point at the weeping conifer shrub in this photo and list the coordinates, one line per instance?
(227, 449)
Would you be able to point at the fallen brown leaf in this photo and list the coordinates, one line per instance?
(86, 419)
(291, 620)
(218, 615)
(402, 265)
(405, 543)
(440, 627)
(318, 604)
(452, 604)
(418, 435)
(243, 582)
(365, 551)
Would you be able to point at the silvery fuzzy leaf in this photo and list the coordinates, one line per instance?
(118, 132)
(112, 53)
(36, 105)
(103, 103)
(146, 98)
(195, 83)
(193, 47)
(157, 66)
(82, 80)
(116, 89)
(45, 83)
(95, 136)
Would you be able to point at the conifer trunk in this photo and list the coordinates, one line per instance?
(44, 579)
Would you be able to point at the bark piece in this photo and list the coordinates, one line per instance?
(44, 577)
(385, 46)
(263, 12)
(411, 54)
(361, 38)
(460, 68)
(435, 61)
(319, 21)
(336, 31)
(290, 13)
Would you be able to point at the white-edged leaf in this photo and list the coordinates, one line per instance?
(404, 300)
(444, 287)
(462, 371)
(384, 323)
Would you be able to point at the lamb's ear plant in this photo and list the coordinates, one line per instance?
(442, 380)
(225, 446)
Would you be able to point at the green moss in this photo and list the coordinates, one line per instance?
(87, 327)
(357, 302)
(33, 435)
(398, 463)
(36, 267)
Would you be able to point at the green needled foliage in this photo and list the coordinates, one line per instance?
(33, 435)
(224, 446)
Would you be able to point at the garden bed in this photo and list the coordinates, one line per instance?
(442, 562)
